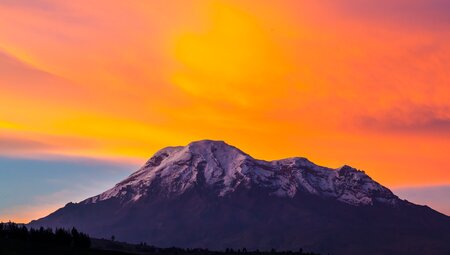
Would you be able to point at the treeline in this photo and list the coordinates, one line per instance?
(15, 237)
(144, 248)
(18, 239)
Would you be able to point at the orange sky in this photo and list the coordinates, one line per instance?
(354, 82)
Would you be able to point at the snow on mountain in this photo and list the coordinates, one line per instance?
(224, 168)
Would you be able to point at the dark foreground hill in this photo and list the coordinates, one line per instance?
(211, 195)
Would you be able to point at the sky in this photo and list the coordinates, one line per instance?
(91, 89)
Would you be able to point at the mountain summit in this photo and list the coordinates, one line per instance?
(223, 169)
(212, 195)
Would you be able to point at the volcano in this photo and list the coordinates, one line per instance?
(212, 195)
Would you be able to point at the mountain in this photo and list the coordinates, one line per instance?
(209, 194)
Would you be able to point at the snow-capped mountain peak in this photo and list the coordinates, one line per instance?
(223, 169)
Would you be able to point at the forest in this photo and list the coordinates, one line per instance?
(17, 239)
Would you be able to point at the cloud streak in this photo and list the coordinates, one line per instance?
(412, 119)
(422, 14)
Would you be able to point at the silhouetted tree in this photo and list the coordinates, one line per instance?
(62, 237)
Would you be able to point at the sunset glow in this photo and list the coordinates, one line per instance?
(364, 83)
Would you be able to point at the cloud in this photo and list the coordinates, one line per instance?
(409, 117)
(42, 9)
(25, 81)
(33, 5)
(429, 14)
(13, 144)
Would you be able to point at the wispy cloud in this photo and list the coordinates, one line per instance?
(423, 14)
(10, 145)
(407, 118)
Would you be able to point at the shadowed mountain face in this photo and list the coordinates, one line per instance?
(209, 194)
